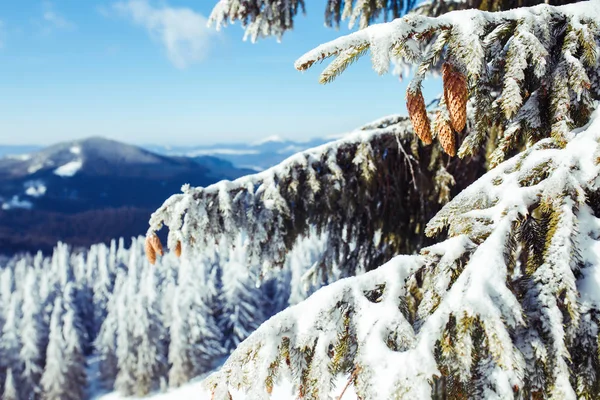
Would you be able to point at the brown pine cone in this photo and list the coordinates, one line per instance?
(150, 253)
(456, 95)
(178, 249)
(415, 103)
(445, 135)
(153, 246)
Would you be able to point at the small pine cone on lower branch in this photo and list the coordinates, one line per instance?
(455, 95)
(445, 135)
(150, 252)
(156, 244)
(415, 103)
(178, 249)
(153, 246)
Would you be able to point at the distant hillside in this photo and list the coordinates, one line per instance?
(86, 191)
(257, 156)
(16, 150)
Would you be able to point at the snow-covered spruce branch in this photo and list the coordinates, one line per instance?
(265, 18)
(520, 66)
(260, 18)
(370, 191)
(506, 307)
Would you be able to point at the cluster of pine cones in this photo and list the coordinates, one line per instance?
(153, 247)
(455, 96)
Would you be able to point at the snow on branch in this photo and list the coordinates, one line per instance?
(260, 18)
(507, 307)
(370, 191)
(518, 66)
(264, 18)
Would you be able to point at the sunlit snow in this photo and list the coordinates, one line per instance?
(69, 169)
(15, 202)
(35, 168)
(35, 188)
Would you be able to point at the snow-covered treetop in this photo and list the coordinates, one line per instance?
(507, 306)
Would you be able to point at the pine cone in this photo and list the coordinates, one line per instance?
(445, 135)
(418, 115)
(178, 249)
(150, 253)
(456, 95)
(153, 246)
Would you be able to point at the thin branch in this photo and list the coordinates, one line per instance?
(352, 377)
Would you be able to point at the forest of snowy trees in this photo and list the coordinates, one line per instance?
(105, 317)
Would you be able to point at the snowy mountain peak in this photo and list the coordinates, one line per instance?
(99, 148)
(269, 139)
(94, 155)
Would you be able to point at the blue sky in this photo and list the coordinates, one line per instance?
(145, 71)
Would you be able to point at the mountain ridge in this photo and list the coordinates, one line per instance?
(92, 190)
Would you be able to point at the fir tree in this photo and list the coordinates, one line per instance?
(64, 376)
(182, 367)
(61, 266)
(125, 381)
(195, 342)
(106, 343)
(150, 336)
(86, 266)
(10, 391)
(243, 302)
(33, 334)
(10, 343)
(102, 286)
(75, 339)
(6, 288)
(499, 299)
(53, 378)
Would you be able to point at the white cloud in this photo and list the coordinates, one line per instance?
(53, 19)
(57, 20)
(182, 32)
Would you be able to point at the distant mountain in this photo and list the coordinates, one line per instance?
(257, 156)
(16, 150)
(92, 190)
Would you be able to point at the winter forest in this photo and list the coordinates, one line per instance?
(453, 253)
(82, 322)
